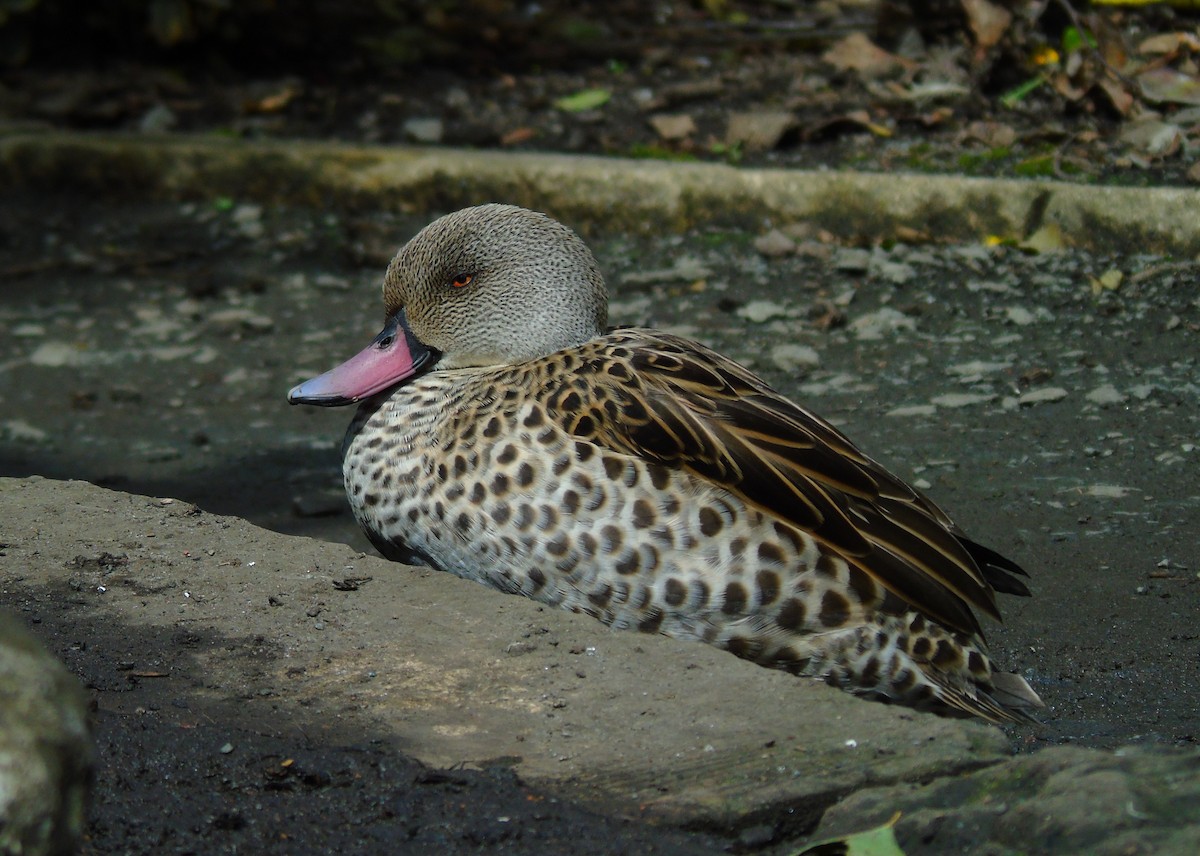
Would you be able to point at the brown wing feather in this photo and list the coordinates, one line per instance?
(679, 404)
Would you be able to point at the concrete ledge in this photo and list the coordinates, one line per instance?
(244, 627)
(608, 193)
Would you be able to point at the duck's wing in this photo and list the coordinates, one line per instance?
(683, 406)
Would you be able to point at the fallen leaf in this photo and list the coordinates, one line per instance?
(854, 121)
(858, 53)
(1153, 137)
(758, 131)
(673, 126)
(880, 841)
(1169, 43)
(274, 102)
(991, 134)
(518, 135)
(1110, 280)
(988, 22)
(1168, 85)
(932, 90)
(587, 99)
(1048, 239)
(1118, 96)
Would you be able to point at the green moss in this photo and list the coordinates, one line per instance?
(1038, 166)
(650, 151)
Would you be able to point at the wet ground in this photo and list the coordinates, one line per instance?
(1049, 402)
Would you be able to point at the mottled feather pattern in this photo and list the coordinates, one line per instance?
(648, 481)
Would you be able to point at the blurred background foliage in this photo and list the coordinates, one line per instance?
(281, 35)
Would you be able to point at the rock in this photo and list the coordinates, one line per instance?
(874, 325)
(1138, 799)
(46, 752)
(759, 131)
(56, 355)
(1042, 396)
(913, 410)
(158, 120)
(1019, 316)
(685, 269)
(962, 399)
(897, 273)
(761, 311)
(1105, 395)
(237, 318)
(22, 432)
(248, 219)
(976, 368)
(852, 260)
(774, 244)
(792, 357)
(422, 130)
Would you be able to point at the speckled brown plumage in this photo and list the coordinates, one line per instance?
(650, 482)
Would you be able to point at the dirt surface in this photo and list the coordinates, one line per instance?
(852, 84)
(1049, 404)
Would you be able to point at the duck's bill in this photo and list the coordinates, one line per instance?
(394, 356)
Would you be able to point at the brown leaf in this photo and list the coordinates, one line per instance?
(1168, 85)
(518, 135)
(758, 131)
(273, 101)
(1169, 43)
(1153, 137)
(988, 22)
(858, 53)
(673, 126)
(1120, 98)
(994, 135)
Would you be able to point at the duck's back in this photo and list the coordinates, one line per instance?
(586, 481)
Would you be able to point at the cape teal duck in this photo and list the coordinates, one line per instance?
(504, 435)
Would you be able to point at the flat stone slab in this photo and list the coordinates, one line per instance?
(280, 632)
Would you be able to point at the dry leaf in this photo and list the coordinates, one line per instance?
(518, 135)
(988, 22)
(1117, 94)
(1153, 137)
(1048, 239)
(1169, 43)
(1168, 85)
(758, 131)
(673, 126)
(273, 102)
(991, 134)
(856, 120)
(858, 53)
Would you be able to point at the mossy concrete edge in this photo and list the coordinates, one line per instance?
(599, 193)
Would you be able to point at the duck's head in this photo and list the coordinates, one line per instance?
(487, 286)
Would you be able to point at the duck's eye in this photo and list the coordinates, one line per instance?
(461, 279)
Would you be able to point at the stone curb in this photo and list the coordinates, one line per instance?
(603, 193)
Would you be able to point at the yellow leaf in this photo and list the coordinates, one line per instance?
(1048, 239)
(880, 841)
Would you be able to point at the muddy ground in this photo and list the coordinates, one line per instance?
(1048, 401)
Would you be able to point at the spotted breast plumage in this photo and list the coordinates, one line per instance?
(505, 436)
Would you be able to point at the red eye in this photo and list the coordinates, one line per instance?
(462, 279)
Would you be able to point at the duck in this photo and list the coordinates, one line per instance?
(506, 434)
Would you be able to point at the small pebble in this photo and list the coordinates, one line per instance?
(791, 357)
(760, 311)
(1042, 396)
(422, 130)
(1107, 394)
